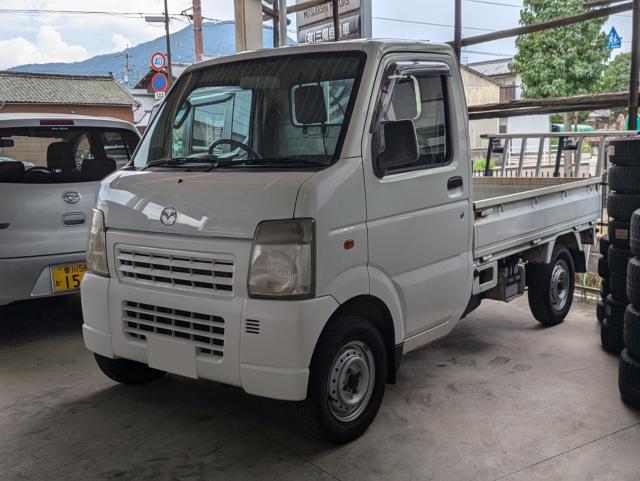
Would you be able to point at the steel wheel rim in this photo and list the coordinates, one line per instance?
(560, 285)
(351, 381)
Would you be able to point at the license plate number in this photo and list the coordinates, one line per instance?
(67, 277)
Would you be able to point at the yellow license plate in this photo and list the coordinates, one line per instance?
(67, 277)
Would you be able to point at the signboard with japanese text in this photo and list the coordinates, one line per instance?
(315, 24)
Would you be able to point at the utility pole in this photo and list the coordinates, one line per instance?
(336, 20)
(282, 22)
(126, 67)
(276, 25)
(457, 32)
(197, 29)
(167, 34)
(634, 83)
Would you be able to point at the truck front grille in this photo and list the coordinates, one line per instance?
(204, 331)
(180, 270)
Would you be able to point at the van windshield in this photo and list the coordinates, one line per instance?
(62, 154)
(282, 111)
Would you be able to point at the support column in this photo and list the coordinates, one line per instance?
(634, 81)
(248, 17)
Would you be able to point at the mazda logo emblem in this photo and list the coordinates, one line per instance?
(71, 197)
(168, 216)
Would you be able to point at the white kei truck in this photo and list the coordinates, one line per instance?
(295, 220)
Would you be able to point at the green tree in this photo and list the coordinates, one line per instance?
(616, 74)
(563, 61)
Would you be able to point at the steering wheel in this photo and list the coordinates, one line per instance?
(237, 144)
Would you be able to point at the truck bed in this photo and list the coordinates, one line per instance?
(514, 214)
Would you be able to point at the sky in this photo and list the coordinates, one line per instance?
(41, 38)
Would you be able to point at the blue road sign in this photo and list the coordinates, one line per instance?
(615, 41)
(159, 82)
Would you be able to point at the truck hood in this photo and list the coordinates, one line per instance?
(221, 204)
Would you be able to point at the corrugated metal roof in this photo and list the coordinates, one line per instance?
(38, 88)
(492, 68)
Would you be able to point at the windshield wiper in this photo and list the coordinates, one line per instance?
(180, 161)
(286, 161)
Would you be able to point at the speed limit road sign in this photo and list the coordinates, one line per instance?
(158, 61)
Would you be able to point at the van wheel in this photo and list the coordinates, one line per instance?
(551, 287)
(347, 381)
(125, 371)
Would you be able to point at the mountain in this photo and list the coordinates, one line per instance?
(219, 39)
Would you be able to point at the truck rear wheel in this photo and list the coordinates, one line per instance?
(125, 371)
(347, 381)
(551, 287)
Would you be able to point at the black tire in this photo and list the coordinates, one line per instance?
(603, 245)
(618, 259)
(618, 287)
(624, 152)
(315, 413)
(631, 331)
(125, 371)
(603, 268)
(633, 282)
(618, 232)
(621, 206)
(624, 179)
(547, 305)
(600, 311)
(614, 311)
(629, 379)
(611, 337)
(634, 233)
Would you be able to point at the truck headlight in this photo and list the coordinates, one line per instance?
(282, 259)
(97, 244)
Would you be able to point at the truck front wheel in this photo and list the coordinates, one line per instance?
(125, 371)
(551, 287)
(346, 382)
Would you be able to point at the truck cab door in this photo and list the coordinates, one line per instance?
(418, 213)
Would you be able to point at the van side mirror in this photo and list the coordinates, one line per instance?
(400, 145)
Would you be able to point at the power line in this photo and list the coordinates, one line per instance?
(430, 24)
(33, 11)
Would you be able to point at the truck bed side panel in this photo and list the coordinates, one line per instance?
(520, 221)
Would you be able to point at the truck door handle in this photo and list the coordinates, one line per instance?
(454, 183)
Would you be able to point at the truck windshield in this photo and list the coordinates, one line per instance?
(62, 154)
(282, 111)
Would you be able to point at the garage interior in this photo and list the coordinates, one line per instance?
(501, 398)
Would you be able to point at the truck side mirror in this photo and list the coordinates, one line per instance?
(400, 145)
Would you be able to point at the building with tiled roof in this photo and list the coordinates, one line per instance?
(98, 96)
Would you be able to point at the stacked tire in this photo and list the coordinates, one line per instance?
(629, 370)
(623, 200)
(603, 272)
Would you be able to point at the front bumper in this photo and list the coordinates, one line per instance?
(29, 277)
(268, 356)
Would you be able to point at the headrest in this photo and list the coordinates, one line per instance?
(96, 169)
(11, 171)
(60, 157)
(310, 105)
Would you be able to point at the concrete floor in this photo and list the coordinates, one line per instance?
(499, 399)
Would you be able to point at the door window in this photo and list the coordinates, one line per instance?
(422, 99)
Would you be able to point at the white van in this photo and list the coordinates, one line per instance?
(297, 219)
(50, 169)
